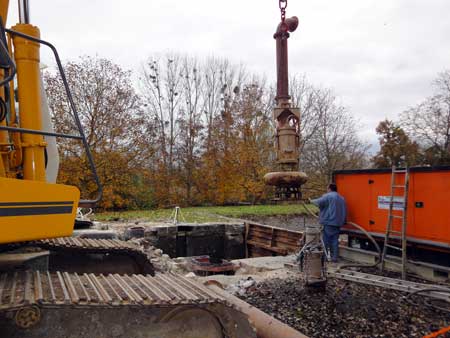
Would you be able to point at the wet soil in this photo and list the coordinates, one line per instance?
(346, 310)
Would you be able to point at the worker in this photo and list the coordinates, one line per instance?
(332, 216)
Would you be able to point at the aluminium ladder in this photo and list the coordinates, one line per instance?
(434, 291)
(399, 182)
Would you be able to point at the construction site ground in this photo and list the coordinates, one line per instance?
(342, 309)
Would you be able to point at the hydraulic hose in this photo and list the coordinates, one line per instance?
(428, 301)
(313, 214)
(377, 247)
(369, 236)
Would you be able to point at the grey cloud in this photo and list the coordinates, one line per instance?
(379, 56)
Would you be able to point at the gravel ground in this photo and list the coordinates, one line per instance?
(345, 309)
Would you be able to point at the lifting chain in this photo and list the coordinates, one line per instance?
(282, 4)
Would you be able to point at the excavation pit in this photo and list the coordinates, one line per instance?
(219, 241)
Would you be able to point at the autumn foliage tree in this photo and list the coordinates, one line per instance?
(196, 132)
(396, 149)
(110, 111)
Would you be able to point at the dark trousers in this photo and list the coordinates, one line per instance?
(331, 240)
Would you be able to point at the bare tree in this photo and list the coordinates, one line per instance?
(161, 80)
(429, 122)
(306, 97)
(334, 145)
(190, 123)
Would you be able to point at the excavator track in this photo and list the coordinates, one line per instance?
(67, 251)
(83, 305)
(75, 254)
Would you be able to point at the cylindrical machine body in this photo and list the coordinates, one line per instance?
(314, 266)
(27, 59)
(288, 146)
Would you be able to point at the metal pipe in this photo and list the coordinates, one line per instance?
(265, 325)
(281, 36)
(24, 11)
(40, 132)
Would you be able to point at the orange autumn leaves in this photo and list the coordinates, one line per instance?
(184, 131)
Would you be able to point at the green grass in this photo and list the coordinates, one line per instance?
(203, 214)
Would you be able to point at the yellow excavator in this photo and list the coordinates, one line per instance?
(72, 295)
(53, 285)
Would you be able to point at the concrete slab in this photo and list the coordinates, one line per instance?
(95, 234)
(264, 263)
(229, 280)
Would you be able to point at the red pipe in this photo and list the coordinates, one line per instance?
(265, 325)
(281, 35)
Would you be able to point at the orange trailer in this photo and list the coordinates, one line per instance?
(367, 195)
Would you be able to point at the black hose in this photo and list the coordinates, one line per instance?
(3, 110)
(428, 301)
(374, 242)
(4, 52)
(369, 236)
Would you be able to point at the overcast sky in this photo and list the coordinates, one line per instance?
(379, 56)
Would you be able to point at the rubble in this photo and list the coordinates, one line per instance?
(344, 309)
(241, 287)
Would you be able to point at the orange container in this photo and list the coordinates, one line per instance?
(367, 195)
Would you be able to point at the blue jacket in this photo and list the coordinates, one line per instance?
(332, 209)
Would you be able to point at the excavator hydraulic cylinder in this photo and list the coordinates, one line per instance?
(27, 59)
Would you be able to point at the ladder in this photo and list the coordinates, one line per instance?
(432, 290)
(399, 184)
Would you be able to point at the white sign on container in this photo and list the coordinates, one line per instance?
(399, 202)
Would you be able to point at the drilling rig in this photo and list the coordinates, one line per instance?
(288, 179)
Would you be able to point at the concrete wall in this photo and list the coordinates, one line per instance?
(214, 239)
